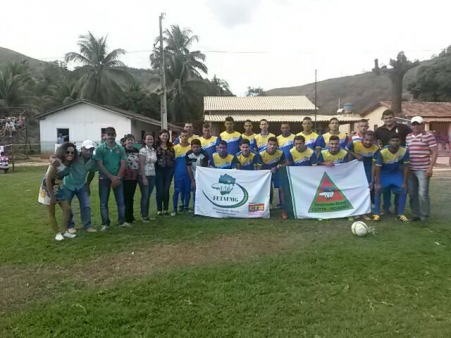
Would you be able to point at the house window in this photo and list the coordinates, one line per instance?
(62, 135)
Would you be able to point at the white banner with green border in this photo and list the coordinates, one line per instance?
(229, 193)
(326, 192)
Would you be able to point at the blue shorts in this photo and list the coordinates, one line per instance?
(182, 184)
(394, 180)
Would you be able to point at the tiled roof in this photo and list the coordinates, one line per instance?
(257, 103)
(425, 109)
(278, 117)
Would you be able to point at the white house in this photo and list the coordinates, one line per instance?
(84, 120)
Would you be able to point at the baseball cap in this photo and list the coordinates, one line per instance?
(417, 119)
(88, 144)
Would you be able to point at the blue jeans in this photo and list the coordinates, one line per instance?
(85, 206)
(104, 194)
(146, 192)
(418, 186)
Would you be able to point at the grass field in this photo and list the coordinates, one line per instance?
(199, 277)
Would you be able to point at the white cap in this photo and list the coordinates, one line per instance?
(88, 144)
(417, 119)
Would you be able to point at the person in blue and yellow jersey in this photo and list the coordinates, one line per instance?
(207, 141)
(392, 171)
(190, 130)
(333, 155)
(182, 182)
(230, 136)
(261, 140)
(273, 159)
(249, 134)
(334, 130)
(300, 155)
(286, 139)
(312, 139)
(246, 158)
(222, 159)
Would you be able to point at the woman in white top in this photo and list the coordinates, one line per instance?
(146, 178)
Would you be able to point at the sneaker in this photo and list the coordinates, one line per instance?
(104, 228)
(284, 214)
(166, 213)
(186, 210)
(59, 237)
(402, 218)
(125, 225)
(72, 230)
(91, 230)
(159, 213)
(376, 218)
(180, 208)
(173, 213)
(67, 234)
(416, 219)
(146, 220)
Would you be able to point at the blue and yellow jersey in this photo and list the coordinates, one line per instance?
(262, 141)
(340, 157)
(251, 139)
(285, 143)
(368, 154)
(251, 162)
(233, 141)
(177, 140)
(343, 140)
(312, 140)
(180, 162)
(306, 158)
(270, 161)
(228, 162)
(392, 163)
(209, 145)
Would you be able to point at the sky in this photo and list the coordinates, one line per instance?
(257, 43)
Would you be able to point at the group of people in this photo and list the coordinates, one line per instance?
(396, 159)
(11, 124)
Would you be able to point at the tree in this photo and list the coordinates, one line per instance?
(136, 99)
(433, 81)
(220, 87)
(14, 80)
(400, 66)
(183, 70)
(255, 91)
(101, 71)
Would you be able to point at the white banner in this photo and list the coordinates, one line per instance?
(326, 192)
(224, 193)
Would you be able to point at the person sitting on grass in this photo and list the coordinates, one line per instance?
(333, 155)
(51, 191)
(4, 162)
(246, 158)
(222, 159)
(392, 171)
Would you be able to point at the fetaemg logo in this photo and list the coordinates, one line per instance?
(329, 198)
(227, 193)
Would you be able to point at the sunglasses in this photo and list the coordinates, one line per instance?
(70, 152)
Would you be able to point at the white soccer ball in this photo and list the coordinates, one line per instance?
(359, 228)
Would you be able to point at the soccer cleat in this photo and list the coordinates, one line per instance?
(146, 220)
(159, 213)
(376, 218)
(174, 213)
(104, 228)
(59, 237)
(166, 213)
(67, 234)
(402, 218)
(125, 225)
(72, 230)
(91, 230)
(284, 214)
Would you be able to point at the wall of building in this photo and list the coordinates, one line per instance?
(84, 123)
(375, 118)
(140, 128)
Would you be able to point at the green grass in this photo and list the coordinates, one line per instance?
(198, 277)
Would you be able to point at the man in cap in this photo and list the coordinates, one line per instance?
(77, 184)
(423, 155)
(112, 162)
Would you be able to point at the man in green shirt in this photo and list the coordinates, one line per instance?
(112, 161)
(76, 184)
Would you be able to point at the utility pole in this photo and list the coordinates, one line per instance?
(316, 130)
(164, 111)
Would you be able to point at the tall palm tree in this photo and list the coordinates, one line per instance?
(101, 71)
(14, 79)
(183, 70)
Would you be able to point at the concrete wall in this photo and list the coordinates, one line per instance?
(140, 128)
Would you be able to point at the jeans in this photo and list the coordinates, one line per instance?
(146, 191)
(163, 183)
(104, 194)
(129, 194)
(85, 206)
(418, 186)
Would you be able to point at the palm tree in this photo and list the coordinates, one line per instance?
(101, 71)
(183, 70)
(14, 79)
(220, 87)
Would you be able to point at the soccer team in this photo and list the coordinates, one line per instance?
(397, 160)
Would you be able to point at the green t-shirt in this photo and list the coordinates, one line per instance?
(111, 158)
(78, 171)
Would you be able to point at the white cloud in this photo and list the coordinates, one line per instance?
(233, 13)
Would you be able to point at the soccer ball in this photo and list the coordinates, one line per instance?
(359, 228)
